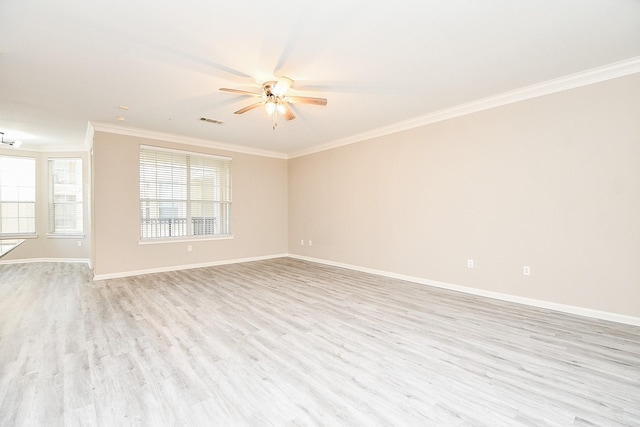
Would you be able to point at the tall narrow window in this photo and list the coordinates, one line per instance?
(65, 196)
(183, 194)
(17, 196)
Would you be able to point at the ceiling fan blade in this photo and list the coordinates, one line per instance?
(242, 92)
(287, 114)
(283, 84)
(249, 107)
(306, 100)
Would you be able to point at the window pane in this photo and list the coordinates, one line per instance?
(9, 210)
(65, 197)
(10, 193)
(17, 195)
(26, 224)
(10, 224)
(26, 210)
(163, 219)
(180, 193)
(26, 194)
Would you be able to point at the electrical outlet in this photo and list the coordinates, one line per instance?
(189, 248)
(470, 263)
(526, 270)
(302, 242)
(310, 243)
(79, 243)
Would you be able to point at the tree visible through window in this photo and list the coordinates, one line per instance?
(17, 195)
(65, 196)
(183, 194)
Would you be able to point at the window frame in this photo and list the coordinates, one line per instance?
(224, 201)
(34, 207)
(78, 232)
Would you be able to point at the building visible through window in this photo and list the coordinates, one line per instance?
(65, 196)
(183, 194)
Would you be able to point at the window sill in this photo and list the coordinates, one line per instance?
(64, 236)
(187, 239)
(18, 236)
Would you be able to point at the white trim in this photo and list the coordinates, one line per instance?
(185, 152)
(60, 149)
(583, 78)
(88, 138)
(17, 236)
(185, 239)
(49, 148)
(160, 136)
(64, 236)
(31, 260)
(184, 267)
(564, 308)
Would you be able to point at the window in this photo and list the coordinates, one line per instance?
(65, 196)
(183, 194)
(17, 195)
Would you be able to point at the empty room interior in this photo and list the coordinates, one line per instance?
(320, 213)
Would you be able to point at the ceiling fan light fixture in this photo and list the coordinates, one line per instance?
(270, 106)
(14, 143)
(283, 84)
(276, 104)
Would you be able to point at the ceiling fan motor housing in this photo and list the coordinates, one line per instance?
(268, 86)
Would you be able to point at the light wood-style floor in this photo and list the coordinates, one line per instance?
(286, 342)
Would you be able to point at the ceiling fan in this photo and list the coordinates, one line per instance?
(275, 100)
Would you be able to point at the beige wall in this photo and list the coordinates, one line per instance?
(259, 210)
(552, 182)
(44, 246)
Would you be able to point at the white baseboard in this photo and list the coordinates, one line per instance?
(564, 308)
(29, 260)
(183, 267)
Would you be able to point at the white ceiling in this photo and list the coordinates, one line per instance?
(67, 62)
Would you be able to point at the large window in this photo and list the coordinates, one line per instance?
(65, 196)
(17, 196)
(183, 194)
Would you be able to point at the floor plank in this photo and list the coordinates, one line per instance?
(288, 342)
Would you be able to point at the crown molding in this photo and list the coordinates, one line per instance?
(583, 78)
(46, 149)
(62, 149)
(160, 136)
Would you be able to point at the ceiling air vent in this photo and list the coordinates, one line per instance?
(208, 120)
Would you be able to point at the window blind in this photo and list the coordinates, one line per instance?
(183, 194)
